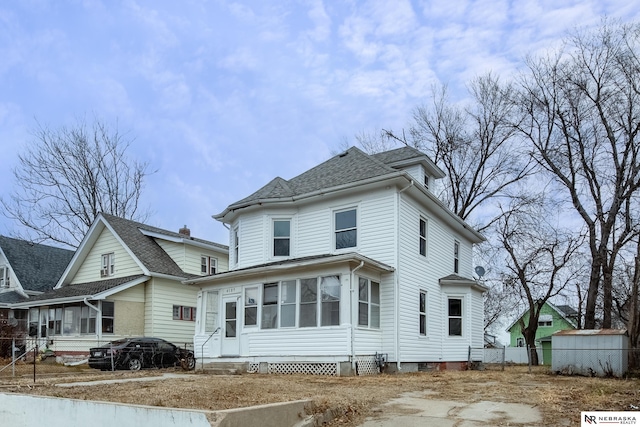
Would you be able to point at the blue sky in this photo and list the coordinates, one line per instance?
(222, 96)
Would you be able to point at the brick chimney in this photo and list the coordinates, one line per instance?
(185, 231)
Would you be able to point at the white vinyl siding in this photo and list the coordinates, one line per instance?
(161, 295)
(188, 256)
(106, 243)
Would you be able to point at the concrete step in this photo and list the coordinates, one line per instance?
(223, 368)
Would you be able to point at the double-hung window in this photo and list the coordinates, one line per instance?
(281, 237)
(455, 316)
(251, 306)
(456, 256)
(423, 313)
(308, 302)
(346, 235)
(208, 265)
(4, 277)
(288, 303)
(211, 311)
(330, 294)
(269, 306)
(107, 316)
(108, 265)
(368, 303)
(423, 237)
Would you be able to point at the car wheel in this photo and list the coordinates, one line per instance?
(189, 363)
(134, 364)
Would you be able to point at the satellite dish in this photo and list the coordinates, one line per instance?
(480, 271)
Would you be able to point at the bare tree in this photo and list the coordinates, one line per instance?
(538, 260)
(475, 145)
(66, 176)
(582, 109)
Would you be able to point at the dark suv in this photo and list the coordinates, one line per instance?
(137, 353)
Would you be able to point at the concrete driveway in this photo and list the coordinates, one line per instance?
(420, 409)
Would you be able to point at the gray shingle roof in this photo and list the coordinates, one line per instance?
(11, 297)
(38, 267)
(349, 167)
(84, 289)
(146, 249)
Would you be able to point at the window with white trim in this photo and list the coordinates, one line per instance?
(310, 302)
(330, 300)
(211, 311)
(281, 237)
(545, 320)
(368, 303)
(455, 316)
(108, 313)
(423, 313)
(107, 265)
(288, 300)
(456, 256)
(423, 237)
(251, 306)
(208, 265)
(269, 318)
(346, 232)
(4, 277)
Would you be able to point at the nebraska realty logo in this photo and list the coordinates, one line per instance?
(606, 418)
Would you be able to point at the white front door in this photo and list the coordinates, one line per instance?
(230, 326)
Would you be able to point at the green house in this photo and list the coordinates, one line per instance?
(553, 318)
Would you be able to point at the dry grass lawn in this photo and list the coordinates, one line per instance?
(559, 398)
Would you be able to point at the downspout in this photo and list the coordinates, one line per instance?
(98, 330)
(397, 305)
(351, 315)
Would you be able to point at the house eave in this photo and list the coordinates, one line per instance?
(322, 192)
(463, 282)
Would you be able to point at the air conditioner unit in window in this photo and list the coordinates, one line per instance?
(104, 272)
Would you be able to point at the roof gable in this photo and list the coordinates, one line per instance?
(139, 241)
(37, 267)
(567, 313)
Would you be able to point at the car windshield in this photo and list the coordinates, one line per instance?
(119, 342)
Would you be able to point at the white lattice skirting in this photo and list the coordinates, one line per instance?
(366, 365)
(304, 368)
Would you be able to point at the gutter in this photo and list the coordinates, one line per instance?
(396, 307)
(351, 311)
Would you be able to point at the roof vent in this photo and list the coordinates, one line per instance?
(185, 231)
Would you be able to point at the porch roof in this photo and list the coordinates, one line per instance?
(80, 291)
(291, 264)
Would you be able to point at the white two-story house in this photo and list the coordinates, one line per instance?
(353, 262)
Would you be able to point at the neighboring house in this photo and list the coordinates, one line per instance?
(125, 279)
(552, 318)
(27, 269)
(352, 262)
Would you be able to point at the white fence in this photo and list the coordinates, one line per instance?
(509, 355)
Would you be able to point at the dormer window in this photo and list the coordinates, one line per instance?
(4, 277)
(426, 181)
(108, 265)
(208, 265)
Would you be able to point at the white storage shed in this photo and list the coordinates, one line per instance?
(591, 352)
